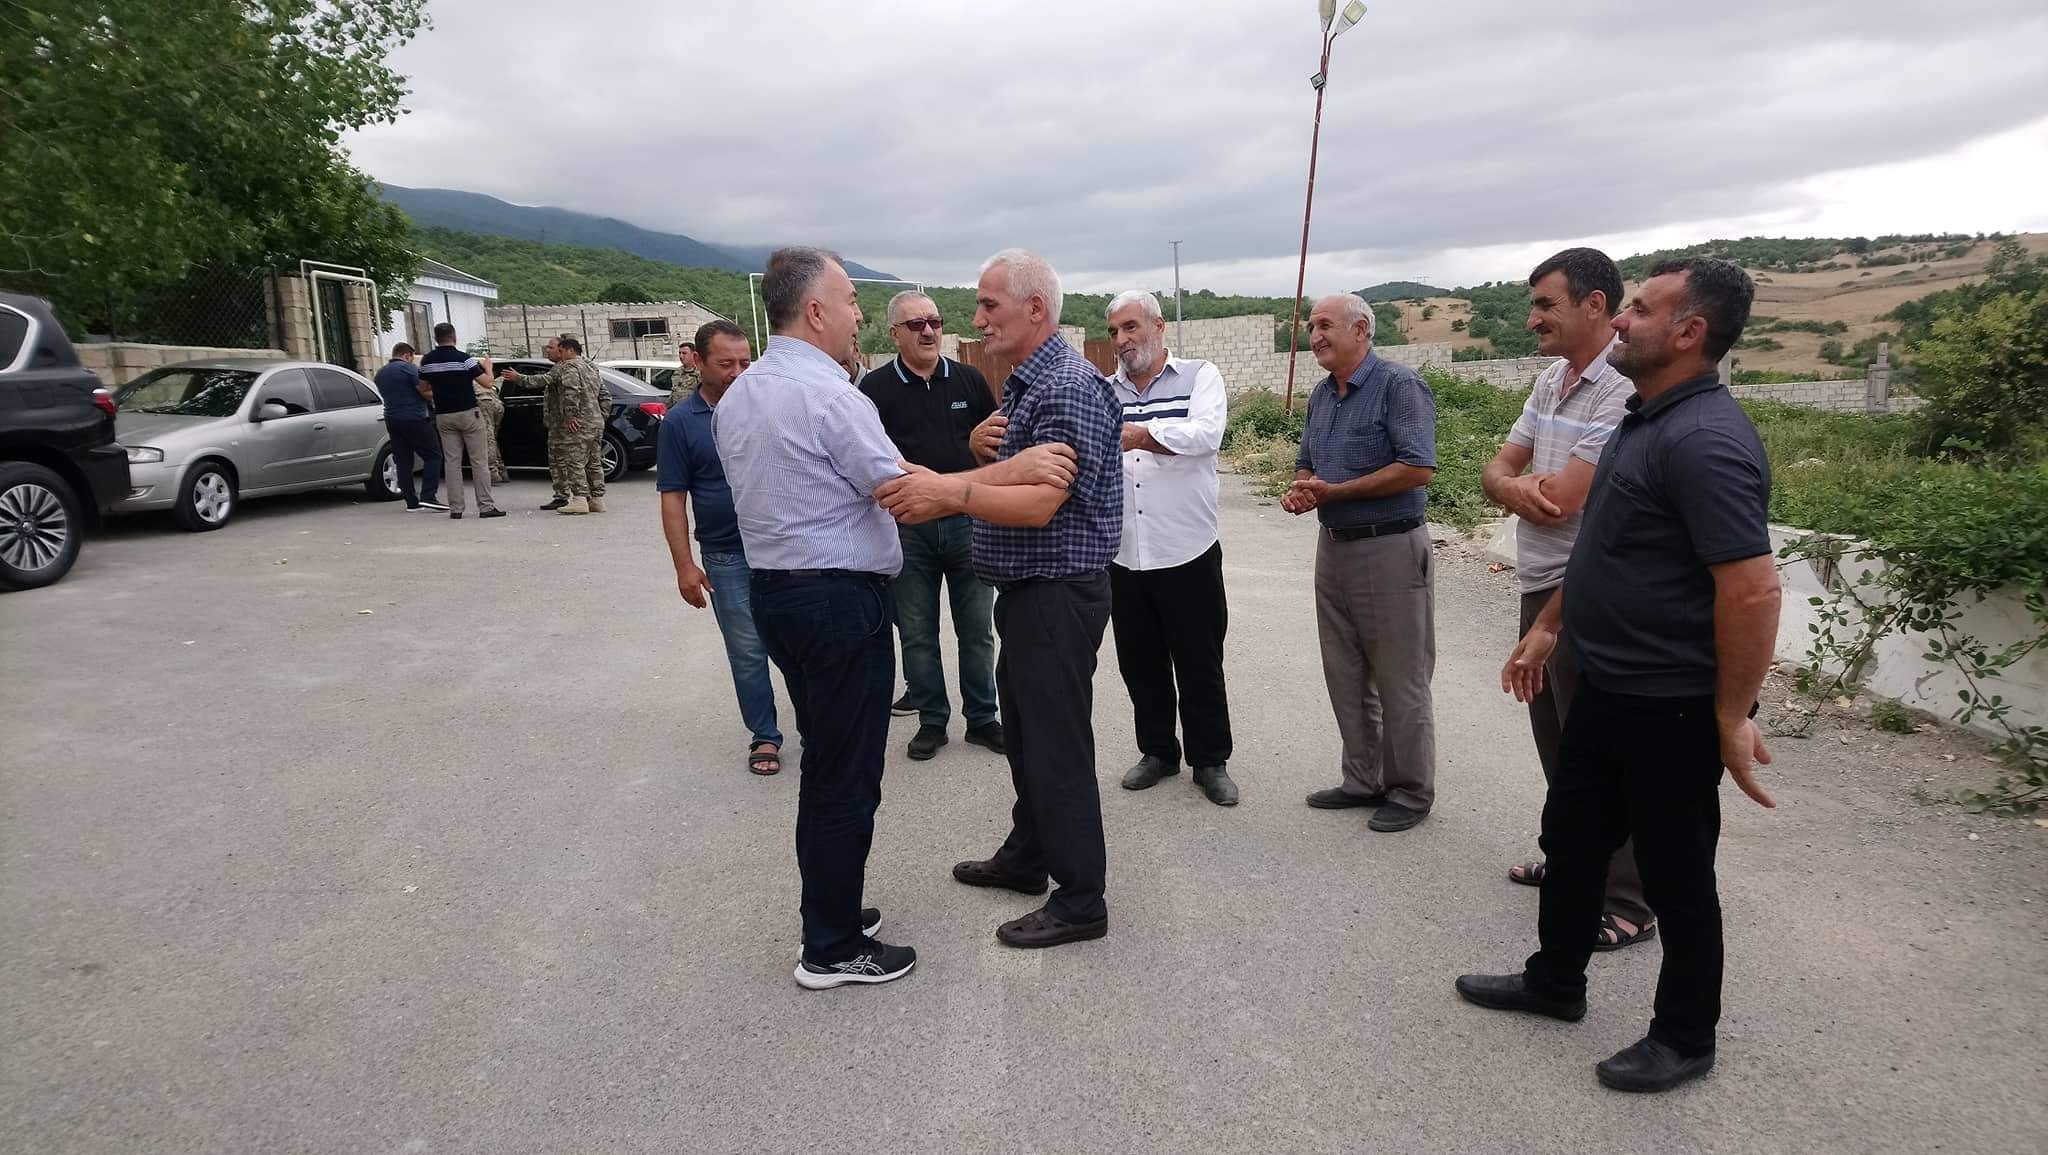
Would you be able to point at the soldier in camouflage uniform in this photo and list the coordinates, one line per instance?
(688, 377)
(493, 408)
(574, 406)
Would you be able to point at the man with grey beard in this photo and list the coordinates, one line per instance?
(1166, 585)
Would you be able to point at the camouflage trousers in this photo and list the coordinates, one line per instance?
(494, 416)
(576, 463)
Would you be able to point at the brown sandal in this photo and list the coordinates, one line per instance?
(765, 761)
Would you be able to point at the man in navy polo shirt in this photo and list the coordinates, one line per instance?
(454, 375)
(688, 465)
(1671, 601)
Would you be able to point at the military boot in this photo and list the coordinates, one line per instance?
(576, 505)
(596, 504)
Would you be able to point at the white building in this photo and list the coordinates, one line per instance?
(440, 293)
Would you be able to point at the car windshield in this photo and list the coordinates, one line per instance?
(188, 392)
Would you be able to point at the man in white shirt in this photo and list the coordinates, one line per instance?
(1166, 585)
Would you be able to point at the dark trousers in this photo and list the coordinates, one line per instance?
(415, 437)
(932, 552)
(1045, 682)
(1647, 768)
(1169, 629)
(1547, 712)
(830, 637)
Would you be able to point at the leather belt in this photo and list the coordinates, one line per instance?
(1383, 529)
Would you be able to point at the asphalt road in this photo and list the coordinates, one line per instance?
(353, 830)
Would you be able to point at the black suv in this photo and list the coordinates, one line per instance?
(59, 465)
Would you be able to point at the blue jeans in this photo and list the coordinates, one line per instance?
(733, 605)
(935, 551)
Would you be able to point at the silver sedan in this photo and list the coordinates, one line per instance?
(204, 435)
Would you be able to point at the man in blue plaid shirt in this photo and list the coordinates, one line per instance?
(1045, 544)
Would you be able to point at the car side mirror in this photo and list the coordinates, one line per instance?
(271, 411)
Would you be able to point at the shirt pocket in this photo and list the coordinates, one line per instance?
(1362, 451)
(1628, 513)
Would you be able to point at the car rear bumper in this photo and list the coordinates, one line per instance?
(106, 471)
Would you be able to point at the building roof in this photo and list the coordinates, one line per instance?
(437, 275)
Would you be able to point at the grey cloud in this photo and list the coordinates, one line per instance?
(929, 134)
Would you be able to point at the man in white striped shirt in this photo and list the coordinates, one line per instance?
(1166, 585)
(1543, 474)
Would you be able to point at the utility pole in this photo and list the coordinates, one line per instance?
(1179, 341)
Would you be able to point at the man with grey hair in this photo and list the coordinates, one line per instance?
(1045, 547)
(930, 404)
(1167, 602)
(804, 453)
(1368, 452)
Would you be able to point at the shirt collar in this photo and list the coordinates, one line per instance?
(801, 349)
(1597, 370)
(1360, 375)
(696, 403)
(904, 374)
(1049, 353)
(1123, 378)
(1704, 383)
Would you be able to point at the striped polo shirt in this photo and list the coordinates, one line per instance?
(1170, 498)
(1566, 416)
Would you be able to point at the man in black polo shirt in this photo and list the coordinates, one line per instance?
(454, 375)
(1671, 602)
(929, 404)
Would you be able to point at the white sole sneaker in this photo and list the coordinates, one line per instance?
(867, 929)
(870, 972)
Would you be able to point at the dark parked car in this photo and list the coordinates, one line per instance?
(629, 441)
(59, 463)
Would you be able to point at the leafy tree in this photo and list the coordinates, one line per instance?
(146, 138)
(625, 293)
(1983, 367)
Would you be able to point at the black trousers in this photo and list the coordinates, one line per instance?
(1045, 686)
(830, 635)
(415, 437)
(1169, 629)
(1650, 769)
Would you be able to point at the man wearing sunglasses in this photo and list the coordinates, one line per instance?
(929, 405)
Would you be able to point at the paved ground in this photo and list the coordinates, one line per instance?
(479, 871)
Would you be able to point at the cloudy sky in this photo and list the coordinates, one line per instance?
(1462, 139)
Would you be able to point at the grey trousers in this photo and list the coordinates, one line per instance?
(1376, 618)
(464, 431)
(1547, 712)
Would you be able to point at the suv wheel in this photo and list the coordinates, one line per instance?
(39, 526)
(207, 500)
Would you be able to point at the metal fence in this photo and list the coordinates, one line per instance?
(217, 307)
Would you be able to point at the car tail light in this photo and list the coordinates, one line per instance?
(654, 408)
(104, 399)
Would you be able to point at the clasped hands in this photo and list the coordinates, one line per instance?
(1523, 496)
(921, 495)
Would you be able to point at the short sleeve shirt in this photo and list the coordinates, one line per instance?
(398, 382)
(1055, 395)
(1388, 415)
(686, 461)
(929, 419)
(1563, 419)
(452, 374)
(1683, 486)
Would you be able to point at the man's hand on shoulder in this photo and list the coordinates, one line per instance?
(1053, 464)
(987, 439)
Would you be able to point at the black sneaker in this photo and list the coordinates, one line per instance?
(436, 506)
(990, 735)
(456, 516)
(492, 513)
(870, 922)
(415, 507)
(926, 742)
(556, 503)
(872, 962)
(901, 707)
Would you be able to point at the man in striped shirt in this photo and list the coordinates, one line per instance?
(1542, 475)
(454, 375)
(1166, 585)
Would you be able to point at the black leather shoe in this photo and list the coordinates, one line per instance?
(989, 735)
(1040, 929)
(1149, 772)
(1216, 785)
(926, 742)
(1512, 993)
(556, 503)
(987, 872)
(1394, 816)
(455, 516)
(1650, 1066)
(1338, 798)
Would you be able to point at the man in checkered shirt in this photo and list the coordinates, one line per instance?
(1543, 475)
(1046, 548)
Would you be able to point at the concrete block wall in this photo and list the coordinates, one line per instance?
(507, 330)
(1509, 373)
(118, 363)
(1241, 348)
(1836, 396)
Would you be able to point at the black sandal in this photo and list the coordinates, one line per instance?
(765, 762)
(1532, 873)
(1610, 927)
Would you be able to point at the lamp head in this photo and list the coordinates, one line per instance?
(1352, 14)
(1327, 9)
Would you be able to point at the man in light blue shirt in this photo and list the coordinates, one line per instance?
(803, 451)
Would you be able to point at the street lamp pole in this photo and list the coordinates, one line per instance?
(1334, 25)
(1179, 343)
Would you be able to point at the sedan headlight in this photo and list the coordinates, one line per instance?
(143, 455)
